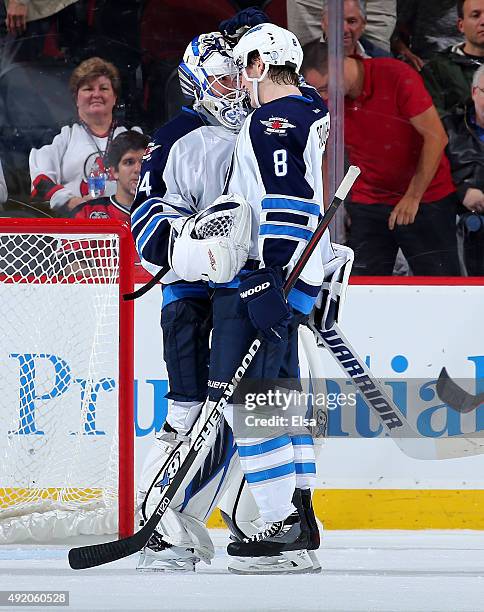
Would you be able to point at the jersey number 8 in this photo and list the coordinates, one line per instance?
(280, 162)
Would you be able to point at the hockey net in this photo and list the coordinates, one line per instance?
(66, 394)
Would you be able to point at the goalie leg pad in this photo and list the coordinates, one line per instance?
(330, 301)
(181, 537)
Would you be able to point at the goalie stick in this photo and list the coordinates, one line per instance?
(90, 556)
(456, 397)
(411, 442)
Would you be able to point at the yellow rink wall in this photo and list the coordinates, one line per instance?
(395, 509)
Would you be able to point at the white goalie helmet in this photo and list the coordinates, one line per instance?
(275, 45)
(208, 76)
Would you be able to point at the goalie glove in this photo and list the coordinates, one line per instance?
(329, 303)
(234, 28)
(212, 245)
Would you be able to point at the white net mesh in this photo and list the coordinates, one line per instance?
(59, 330)
(219, 226)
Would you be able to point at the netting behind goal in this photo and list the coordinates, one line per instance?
(66, 421)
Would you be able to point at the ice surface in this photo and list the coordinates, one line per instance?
(362, 570)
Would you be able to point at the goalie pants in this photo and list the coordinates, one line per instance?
(275, 456)
(429, 243)
(186, 324)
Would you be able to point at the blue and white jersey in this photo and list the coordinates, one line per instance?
(183, 172)
(277, 168)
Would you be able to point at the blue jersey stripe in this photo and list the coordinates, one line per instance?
(264, 447)
(150, 230)
(301, 301)
(172, 293)
(312, 209)
(270, 473)
(302, 440)
(284, 230)
(305, 468)
(155, 203)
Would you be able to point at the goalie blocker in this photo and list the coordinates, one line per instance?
(212, 245)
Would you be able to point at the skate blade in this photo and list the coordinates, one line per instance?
(289, 562)
(167, 567)
(166, 570)
(153, 563)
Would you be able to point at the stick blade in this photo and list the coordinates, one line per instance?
(456, 397)
(84, 557)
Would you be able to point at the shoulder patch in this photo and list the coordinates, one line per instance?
(149, 150)
(277, 125)
(98, 214)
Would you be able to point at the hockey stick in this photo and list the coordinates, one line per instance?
(456, 397)
(411, 442)
(98, 554)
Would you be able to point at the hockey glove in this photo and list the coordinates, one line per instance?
(261, 292)
(234, 28)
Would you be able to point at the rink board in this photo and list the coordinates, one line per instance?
(406, 331)
(369, 483)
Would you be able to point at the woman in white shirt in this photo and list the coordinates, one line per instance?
(60, 171)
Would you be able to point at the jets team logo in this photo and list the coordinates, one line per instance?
(149, 150)
(277, 125)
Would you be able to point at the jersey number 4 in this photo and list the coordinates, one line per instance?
(145, 184)
(280, 162)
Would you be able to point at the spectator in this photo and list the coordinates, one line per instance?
(304, 19)
(124, 159)
(465, 129)
(448, 76)
(354, 26)
(3, 187)
(404, 197)
(28, 24)
(59, 171)
(423, 28)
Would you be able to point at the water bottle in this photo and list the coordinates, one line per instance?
(96, 182)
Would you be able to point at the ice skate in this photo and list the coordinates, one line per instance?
(289, 562)
(158, 556)
(298, 532)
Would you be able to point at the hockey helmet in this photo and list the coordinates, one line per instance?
(275, 45)
(208, 76)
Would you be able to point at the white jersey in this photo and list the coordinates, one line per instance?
(277, 168)
(183, 172)
(59, 171)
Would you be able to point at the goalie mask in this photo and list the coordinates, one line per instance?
(208, 76)
(213, 244)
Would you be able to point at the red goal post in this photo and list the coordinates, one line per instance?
(66, 393)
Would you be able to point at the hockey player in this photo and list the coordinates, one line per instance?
(183, 172)
(277, 168)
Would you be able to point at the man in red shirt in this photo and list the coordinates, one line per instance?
(404, 196)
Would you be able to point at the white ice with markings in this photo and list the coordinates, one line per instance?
(401, 571)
